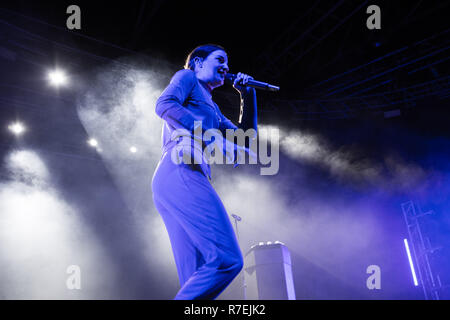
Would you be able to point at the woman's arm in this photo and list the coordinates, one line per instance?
(169, 105)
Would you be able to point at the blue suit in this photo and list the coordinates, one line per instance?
(206, 252)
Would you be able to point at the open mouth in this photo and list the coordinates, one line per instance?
(222, 73)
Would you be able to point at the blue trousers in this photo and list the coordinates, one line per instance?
(206, 252)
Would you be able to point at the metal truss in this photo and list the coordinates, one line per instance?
(397, 79)
(352, 106)
(385, 82)
(421, 250)
(303, 35)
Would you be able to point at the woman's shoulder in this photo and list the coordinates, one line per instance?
(184, 75)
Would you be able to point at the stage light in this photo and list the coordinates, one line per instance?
(411, 263)
(133, 150)
(57, 78)
(17, 128)
(92, 142)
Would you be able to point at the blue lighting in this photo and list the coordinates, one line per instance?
(411, 263)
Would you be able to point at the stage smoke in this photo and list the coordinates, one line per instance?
(118, 109)
(325, 233)
(41, 236)
(350, 164)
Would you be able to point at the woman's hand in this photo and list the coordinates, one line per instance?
(240, 83)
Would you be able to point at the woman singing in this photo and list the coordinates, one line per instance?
(206, 252)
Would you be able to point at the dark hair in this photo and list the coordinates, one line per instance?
(203, 52)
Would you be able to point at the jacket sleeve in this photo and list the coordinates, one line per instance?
(170, 105)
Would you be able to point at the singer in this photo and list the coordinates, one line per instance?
(206, 252)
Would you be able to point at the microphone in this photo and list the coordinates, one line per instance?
(229, 78)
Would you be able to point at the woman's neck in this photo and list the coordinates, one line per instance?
(205, 85)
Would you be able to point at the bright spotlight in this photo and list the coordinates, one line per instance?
(133, 149)
(57, 78)
(17, 128)
(92, 142)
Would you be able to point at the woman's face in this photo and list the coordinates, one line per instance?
(213, 69)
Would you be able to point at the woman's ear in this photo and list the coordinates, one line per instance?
(198, 62)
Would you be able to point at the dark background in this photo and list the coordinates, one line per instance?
(337, 78)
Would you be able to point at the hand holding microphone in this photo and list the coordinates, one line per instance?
(242, 81)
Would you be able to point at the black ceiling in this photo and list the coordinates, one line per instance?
(328, 63)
